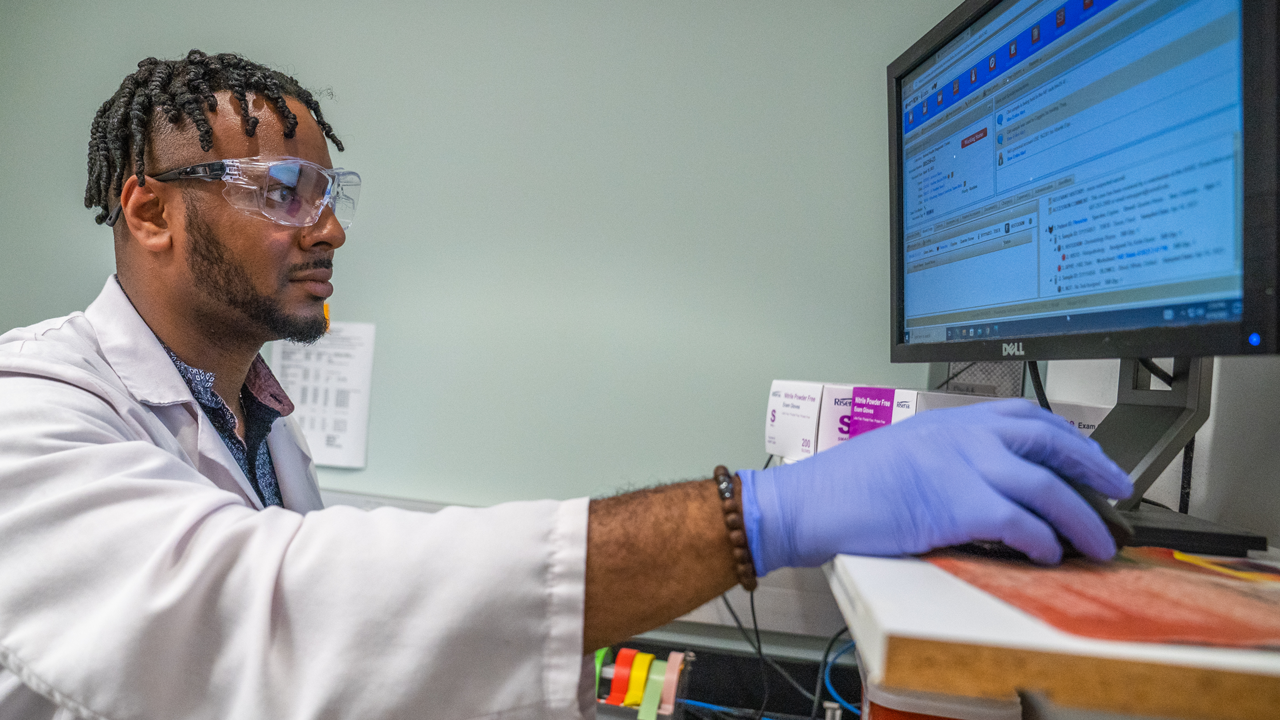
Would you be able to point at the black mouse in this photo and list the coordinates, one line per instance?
(1120, 529)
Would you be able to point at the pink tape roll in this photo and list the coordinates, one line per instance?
(675, 663)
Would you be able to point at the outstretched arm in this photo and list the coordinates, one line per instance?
(993, 471)
(653, 556)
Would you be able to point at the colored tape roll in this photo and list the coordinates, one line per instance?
(653, 691)
(600, 655)
(675, 663)
(639, 678)
(621, 676)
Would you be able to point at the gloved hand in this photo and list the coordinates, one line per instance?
(990, 471)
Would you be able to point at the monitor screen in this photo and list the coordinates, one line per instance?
(1070, 168)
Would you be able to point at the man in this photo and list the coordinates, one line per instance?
(166, 554)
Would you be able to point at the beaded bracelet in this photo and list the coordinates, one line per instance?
(737, 529)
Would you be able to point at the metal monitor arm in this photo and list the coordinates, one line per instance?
(1148, 428)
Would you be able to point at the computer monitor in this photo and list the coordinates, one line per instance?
(1089, 179)
(1085, 178)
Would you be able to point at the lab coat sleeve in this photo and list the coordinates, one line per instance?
(133, 588)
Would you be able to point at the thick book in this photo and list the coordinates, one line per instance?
(920, 627)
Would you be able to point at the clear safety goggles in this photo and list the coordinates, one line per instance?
(286, 190)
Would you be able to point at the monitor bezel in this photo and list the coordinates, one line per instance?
(1259, 78)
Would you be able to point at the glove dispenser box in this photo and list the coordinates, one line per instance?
(804, 418)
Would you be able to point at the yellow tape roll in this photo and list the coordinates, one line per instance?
(639, 678)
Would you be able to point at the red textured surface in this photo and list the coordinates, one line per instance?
(1145, 595)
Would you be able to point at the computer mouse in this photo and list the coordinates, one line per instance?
(1120, 529)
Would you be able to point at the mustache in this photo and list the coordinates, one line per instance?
(323, 263)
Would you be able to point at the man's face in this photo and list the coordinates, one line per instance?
(251, 278)
(220, 276)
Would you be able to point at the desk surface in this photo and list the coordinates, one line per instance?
(921, 628)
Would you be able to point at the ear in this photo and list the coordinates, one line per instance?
(149, 211)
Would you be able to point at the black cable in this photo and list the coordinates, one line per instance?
(1188, 456)
(822, 669)
(1156, 371)
(1157, 504)
(764, 672)
(1034, 368)
(741, 628)
(954, 375)
(698, 714)
(772, 663)
(718, 712)
(767, 461)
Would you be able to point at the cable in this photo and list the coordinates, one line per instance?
(715, 708)
(764, 673)
(706, 711)
(1188, 459)
(1157, 504)
(827, 677)
(767, 461)
(1157, 371)
(745, 636)
(736, 621)
(764, 676)
(1034, 369)
(822, 666)
(954, 375)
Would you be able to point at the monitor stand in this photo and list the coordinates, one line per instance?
(1143, 433)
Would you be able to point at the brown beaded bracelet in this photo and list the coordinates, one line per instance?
(732, 504)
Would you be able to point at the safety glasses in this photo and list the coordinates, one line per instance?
(286, 190)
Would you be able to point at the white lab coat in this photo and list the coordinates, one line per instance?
(140, 577)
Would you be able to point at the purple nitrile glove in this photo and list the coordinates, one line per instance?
(990, 471)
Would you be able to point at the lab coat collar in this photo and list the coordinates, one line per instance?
(295, 470)
(147, 372)
(133, 350)
(140, 361)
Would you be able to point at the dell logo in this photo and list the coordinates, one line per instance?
(1007, 349)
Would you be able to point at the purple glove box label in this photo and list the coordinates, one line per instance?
(871, 408)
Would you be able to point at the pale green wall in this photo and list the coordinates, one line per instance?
(591, 232)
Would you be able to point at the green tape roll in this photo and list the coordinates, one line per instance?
(653, 691)
(599, 664)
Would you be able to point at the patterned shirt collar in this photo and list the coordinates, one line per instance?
(264, 386)
(263, 402)
(200, 381)
(261, 382)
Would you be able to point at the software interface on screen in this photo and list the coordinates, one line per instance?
(1074, 167)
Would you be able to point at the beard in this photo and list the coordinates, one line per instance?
(220, 278)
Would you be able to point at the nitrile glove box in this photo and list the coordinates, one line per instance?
(808, 417)
(853, 410)
(791, 420)
(849, 410)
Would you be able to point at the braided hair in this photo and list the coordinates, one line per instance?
(177, 89)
